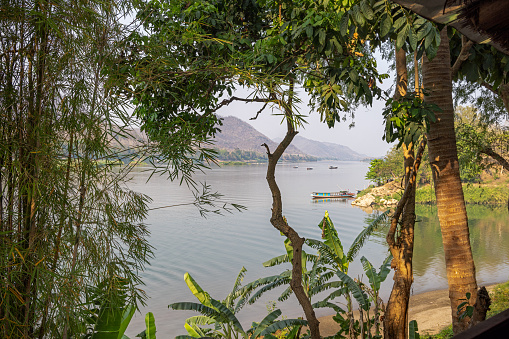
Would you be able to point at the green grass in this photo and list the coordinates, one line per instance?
(474, 194)
(499, 302)
(499, 299)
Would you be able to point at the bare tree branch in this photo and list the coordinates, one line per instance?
(226, 102)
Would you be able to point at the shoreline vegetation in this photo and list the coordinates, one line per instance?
(475, 193)
(432, 311)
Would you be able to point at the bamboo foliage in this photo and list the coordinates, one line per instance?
(67, 221)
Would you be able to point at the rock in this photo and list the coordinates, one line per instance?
(364, 201)
(389, 202)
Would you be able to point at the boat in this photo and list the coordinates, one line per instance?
(309, 168)
(333, 167)
(340, 194)
(295, 166)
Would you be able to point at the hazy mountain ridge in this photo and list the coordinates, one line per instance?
(237, 134)
(326, 150)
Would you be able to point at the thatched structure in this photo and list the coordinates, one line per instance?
(482, 21)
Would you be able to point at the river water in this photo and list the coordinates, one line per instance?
(215, 248)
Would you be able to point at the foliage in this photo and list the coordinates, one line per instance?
(408, 118)
(475, 137)
(376, 172)
(252, 156)
(331, 261)
(474, 194)
(221, 314)
(413, 330)
(499, 299)
(69, 224)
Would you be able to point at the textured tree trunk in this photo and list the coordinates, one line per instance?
(396, 312)
(279, 222)
(443, 157)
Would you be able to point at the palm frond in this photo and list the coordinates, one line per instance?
(323, 304)
(277, 260)
(365, 234)
(286, 294)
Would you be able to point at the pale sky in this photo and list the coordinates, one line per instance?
(364, 138)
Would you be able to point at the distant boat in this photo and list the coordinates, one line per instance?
(295, 166)
(340, 194)
(333, 167)
(309, 168)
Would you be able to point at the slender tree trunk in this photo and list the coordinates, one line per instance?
(443, 157)
(396, 312)
(279, 222)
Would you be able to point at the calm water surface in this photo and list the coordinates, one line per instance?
(213, 250)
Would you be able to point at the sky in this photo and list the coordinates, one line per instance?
(364, 138)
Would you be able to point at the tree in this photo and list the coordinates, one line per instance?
(446, 177)
(198, 51)
(68, 223)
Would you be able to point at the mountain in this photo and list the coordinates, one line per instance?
(326, 150)
(237, 134)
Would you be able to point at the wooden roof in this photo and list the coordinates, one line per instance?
(482, 21)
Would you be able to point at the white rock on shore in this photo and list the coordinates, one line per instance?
(364, 201)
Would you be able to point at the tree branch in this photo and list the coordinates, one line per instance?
(226, 102)
(466, 44)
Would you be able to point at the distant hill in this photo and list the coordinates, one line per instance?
(237, 134)
(326, 150)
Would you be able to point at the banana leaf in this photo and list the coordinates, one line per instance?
(365, 234)
(356, 290)
(266, 322)
(226, 313)
(412, 330)
(197, 291)
(323, 304)
(150, 323)
(281, 325)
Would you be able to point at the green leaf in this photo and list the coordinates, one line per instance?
(282, 324)
(354, 76)
(197, 291)
(226, 313)
(412, 330)
(323, 304)
(343, 25)
(356, 290)
(400, 40)
(357, 15)
(365, 234)
(321, 37)
(412, 38)
(266, 322)
(150, 324)
(366, 10)
(386, 25)
(126, 319)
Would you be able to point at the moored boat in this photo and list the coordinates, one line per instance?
(309, 168)
(333, 167)
(340, 194)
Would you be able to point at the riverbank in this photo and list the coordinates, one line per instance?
(432, 310)
(390, 193)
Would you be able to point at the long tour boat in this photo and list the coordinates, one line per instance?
(340, 194)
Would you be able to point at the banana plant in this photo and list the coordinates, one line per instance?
(314, 280)
(220, 315)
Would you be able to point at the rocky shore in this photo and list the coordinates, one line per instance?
(379, 196)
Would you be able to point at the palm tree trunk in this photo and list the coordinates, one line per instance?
(443, 157)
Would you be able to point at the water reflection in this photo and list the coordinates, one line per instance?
(214, 249)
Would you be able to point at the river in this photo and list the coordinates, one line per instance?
(215, 248)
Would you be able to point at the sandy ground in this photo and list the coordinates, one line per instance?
(432, 311)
